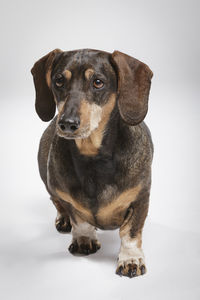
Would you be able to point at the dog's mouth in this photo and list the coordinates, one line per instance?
(78, 134)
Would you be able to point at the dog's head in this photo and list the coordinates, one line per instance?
(85, 85)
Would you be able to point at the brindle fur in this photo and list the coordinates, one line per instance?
(93, 186)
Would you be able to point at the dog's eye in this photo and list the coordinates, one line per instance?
(98, 83)
(59, 80)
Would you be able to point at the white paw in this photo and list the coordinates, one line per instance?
(131, 267)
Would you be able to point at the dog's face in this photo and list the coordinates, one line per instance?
(83, 83)
(85, 86)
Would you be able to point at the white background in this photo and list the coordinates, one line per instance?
(34, 261)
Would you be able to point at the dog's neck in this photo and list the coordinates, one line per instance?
(90, 146)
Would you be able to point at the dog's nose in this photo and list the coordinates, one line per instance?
(69, 125)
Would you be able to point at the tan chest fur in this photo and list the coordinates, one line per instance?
(109, 215)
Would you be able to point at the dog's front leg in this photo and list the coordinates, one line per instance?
(84, 239)
(131, 261)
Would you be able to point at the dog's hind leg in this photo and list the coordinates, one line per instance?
(62, 221)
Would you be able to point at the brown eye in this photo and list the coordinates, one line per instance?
(97, 83)
(59, 81)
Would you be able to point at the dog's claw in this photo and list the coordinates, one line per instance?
(132, 271)
(142, 269)
(73, 248)
(119, 271)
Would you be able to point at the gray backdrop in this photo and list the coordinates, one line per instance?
(34, 258)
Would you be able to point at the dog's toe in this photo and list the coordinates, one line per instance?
(73, 248)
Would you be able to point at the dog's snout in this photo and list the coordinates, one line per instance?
(69, 125)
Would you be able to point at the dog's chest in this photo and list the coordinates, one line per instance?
(90, 185)
(81, 176)
(94, 174)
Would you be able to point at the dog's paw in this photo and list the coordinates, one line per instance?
(84, 245)
(131, 268)
(63, 224)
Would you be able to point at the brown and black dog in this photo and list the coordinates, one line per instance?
(95, 156)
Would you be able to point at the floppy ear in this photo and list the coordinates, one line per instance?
(134, 81)
(44, 104)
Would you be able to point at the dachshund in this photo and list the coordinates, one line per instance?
(95, 156)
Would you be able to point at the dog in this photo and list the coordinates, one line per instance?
(95, 156)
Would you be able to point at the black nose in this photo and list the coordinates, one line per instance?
(69, 125)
